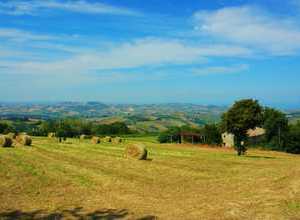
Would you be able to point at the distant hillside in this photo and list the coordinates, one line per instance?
(294, 116)
(143, 118)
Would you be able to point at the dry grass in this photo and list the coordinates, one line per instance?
(178, 183)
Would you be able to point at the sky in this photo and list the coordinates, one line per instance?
(154, 51)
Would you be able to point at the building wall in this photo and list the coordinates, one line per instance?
(228, 139)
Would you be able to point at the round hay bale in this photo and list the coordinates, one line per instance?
(11, 135)
(84, 137)
(5, 141)
(107, 139)
(136, 151)
(24, 140)
(95, 140)
(117, 140)
(51, 135)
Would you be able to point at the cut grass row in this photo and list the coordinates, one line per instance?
(177, 183)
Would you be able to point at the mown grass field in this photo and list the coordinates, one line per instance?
(77, 180)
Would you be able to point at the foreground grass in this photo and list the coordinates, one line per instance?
(80, 180)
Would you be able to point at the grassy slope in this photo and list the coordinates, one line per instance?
(178, 183)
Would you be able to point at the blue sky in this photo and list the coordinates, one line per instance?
(133, 51)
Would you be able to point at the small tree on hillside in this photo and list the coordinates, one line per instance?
(242, 116)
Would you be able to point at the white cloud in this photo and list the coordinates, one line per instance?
(20, 35)
(34, 7)
(220, 70)
(140, 53)
(251, 27)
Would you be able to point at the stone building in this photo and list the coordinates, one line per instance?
(254, 136)
(228, 139)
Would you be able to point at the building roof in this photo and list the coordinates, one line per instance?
(256, 132)
(191, 134)
(251, 132)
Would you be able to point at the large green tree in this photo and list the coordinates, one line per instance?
(276, 125)
(243, 115)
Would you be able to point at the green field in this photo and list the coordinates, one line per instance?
(83, 181)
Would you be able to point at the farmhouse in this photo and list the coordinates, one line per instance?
(254, 136)
(191, 137)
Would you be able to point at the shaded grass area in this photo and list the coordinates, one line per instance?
(54, 179)
(76, 213)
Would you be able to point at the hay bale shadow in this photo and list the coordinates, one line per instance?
(148, 217)
(259, 157)
(76, 213)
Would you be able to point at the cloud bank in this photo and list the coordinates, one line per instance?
(251, 27)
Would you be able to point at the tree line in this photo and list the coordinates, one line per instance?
(67, 128)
